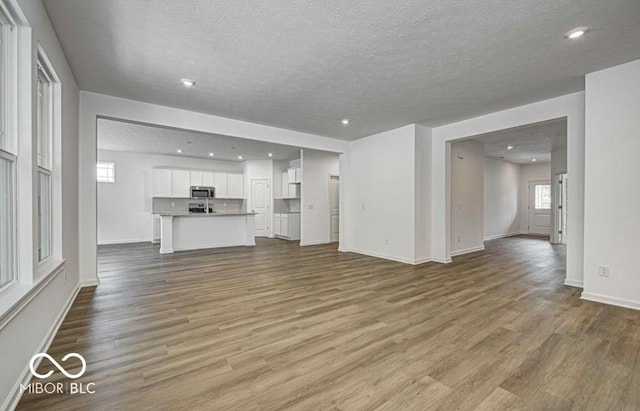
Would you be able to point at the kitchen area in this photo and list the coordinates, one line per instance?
(181, 190)
(196, 209)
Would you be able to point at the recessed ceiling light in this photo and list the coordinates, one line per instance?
(346, 121)
(576, 33)
(179, 151)
(509, 147)
(534, 160)
(270, 154)
(210, 154)
(239, 157)
(187, 82)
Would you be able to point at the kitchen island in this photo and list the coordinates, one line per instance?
(185, 231)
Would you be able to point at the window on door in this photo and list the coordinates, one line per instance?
(543, 197)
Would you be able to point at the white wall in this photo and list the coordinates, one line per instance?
(501, 191)
(381, 193)
(315, 220)
(30, 329)
(422, 193)
(467, 197)
(124, 208)
(530, 172)
(612, 194)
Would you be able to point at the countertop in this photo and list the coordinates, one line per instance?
(183, 214)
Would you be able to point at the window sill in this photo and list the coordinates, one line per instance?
(16, 297)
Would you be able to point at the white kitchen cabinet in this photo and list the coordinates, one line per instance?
(181, 184)
(208, 179)
(276, 224)
(287, 226)
(195, 178)
(162, 182)
(295, 175)
(220, 183)
(235, 185)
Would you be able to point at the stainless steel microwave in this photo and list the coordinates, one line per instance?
(202, 192)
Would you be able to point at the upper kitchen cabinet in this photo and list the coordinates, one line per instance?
(195, 178)
(181, 183)
(220, 184)
(235, 185)
(294, 175)
(162, 183)
(208, 179)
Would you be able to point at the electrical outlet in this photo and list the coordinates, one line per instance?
(173, 204)
(386, 241)
(603, 270)
(459, 238)
(310, 206)
(363, 207)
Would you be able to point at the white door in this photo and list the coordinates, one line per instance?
(540, 207)
(334, 205)
(260, 205)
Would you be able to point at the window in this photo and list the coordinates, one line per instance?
(44, 149)
(8, 104)
(7, 267)
(543, 197)
(106, 172)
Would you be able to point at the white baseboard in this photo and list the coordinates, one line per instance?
(422, 260)
(314, 242)
(130, 241)
(495, 237)
(441, 261)
(15, 395)
(391, 257)
(467, 250)
(573, 283)
(343, 250)
(605, 299)
(89, 283)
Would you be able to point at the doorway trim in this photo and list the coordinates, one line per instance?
(571, 107)
(332, 176)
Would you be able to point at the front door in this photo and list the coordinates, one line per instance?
(334, 204)
(260, 205)
(540, 207)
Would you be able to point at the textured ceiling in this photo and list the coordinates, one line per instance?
(529, 141)
(142, 138)
(305, 64)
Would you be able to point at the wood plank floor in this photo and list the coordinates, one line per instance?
(279, 326)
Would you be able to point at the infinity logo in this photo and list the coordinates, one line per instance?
(58, 366)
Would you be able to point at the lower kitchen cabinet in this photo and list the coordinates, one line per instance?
(287, 225)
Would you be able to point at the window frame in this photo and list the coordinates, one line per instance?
(14, 234)
(113, 173)
(51, 166)
(9, 77)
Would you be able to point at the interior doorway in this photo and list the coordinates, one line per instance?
(540, 207)
(260, 205)
(334, 207)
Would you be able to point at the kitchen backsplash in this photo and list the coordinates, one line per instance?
(182, 205)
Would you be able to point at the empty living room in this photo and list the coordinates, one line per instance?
(310, 205)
